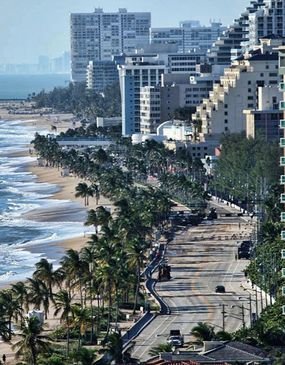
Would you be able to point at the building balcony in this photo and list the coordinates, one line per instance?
(282, 123)
(283, 238)
(282, 142)
(283, 291)
(283, 254)
(282, 161)
(283, 272)
(282, 105)
(283, 310)
(283, 217)
(282, 198)
(282, 179)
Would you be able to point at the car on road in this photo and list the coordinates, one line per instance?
(176, 341)
(220, 289)
(175, 338)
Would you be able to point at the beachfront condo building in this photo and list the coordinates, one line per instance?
(262, 18)
(282, 158)
(189, 36)
(98, 36)
(138, 71)
(223, 111)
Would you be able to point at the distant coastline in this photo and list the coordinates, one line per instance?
(18, 87)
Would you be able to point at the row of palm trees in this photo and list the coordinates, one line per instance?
(91, 285)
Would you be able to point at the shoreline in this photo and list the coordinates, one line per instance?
(69, 210)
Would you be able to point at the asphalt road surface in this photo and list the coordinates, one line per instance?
(201, 258)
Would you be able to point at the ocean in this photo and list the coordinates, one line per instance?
(20, 86)
(20, 193)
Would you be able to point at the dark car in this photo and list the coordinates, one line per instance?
(220, 289)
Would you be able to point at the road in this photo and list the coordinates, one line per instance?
(201, 257)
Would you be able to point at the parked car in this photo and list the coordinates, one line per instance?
(220, 289)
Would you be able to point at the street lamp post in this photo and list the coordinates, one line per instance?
(250, 311)
(223, 317)
(242, 315)
(261, 300)
(256, 303)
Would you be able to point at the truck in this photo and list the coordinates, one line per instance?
(175, 338)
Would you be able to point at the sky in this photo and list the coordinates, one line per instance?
(29, 28)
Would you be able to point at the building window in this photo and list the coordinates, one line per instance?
(226, 121)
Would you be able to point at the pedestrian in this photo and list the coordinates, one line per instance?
(239, 225)
(236, 257)
(4, 358)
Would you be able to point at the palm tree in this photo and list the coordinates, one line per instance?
(92, 220)
(20, 293)
(114, 347)
(74, 268)
(32, 343)
(62, 304)
(83, 191)
(44, 272)
(223, 336)
(81, 320)
(96, 191)
(163, 347)
(106, 275)
(100, 217)
(10, 308)
(135, 257)
(203, 332)
(39, 294)
(84, 356)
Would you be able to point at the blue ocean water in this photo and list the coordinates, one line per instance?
(20, 86)
(20, 193)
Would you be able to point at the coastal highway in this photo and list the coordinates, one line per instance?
(200, 258)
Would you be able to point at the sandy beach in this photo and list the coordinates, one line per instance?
(71, 209)
(76, 210)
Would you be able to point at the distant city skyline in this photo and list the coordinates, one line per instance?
(44, 28)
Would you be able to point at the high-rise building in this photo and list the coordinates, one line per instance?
(101, 74)
(237, 89)
(261, 19)
(159, 103)
(269, 19)
(138, 71)
(264, 120)
(173, 35)
(97, 36)
(189, 36)
(282, 158)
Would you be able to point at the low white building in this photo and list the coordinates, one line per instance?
(176, 130)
